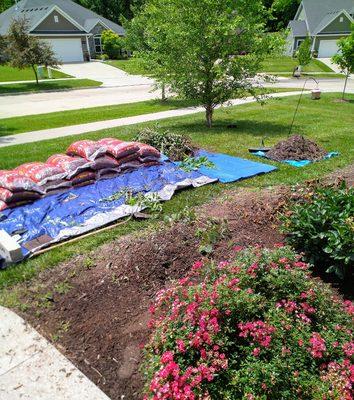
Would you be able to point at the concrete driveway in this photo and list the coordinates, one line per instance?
(108, 75)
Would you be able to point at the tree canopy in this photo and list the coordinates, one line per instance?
(206, 50)
(118, 10)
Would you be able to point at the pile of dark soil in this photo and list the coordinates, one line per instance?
(98, 319)
(296, 148)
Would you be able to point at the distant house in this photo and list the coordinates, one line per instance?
(73, 31)
(325, 21)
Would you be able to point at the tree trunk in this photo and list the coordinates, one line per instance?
(164, 98)
(345, 86)
(209, 115)
(35, 73)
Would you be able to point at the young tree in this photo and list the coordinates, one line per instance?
(205, 50)
(113, 45)
(25, 51)
(345, 58)
(304, 53)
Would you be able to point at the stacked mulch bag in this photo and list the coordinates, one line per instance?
(84, 162)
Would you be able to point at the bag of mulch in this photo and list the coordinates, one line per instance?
(109, 141)
(41, 173)
(71, 165)
(107, 173)
(119, 149)
(8, 197)
(3, 205)
(83, 178)
(14, 182)
(86, 149)
(148, 153)
(105, 162)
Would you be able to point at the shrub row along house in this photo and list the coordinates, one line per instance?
(73, 31)
(324, 21)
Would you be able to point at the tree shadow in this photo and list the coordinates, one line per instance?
(252, 128)
(5, 131)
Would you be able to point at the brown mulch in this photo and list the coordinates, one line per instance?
(296, 148)
(100, 323)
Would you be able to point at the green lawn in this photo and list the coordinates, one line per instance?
(9, 74)
(285, 64)
(32, 87)
(12, 126)
(317, 119)
(131, 66)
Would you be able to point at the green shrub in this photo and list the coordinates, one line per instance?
(256, 328)
(113, 45)
(173, 145)
(323, 228)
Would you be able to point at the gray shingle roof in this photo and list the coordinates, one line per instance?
(35, 10)
(318, 11)
(298, 28)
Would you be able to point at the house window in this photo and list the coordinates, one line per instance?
(341, 19)
(56, 19)
(298, 43)
(98, 44)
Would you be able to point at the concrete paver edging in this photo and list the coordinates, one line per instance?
(33, 369)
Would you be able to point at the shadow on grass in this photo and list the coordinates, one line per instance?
(248, 127)
(4, 131)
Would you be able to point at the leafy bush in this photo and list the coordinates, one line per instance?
(304, 52)
(256, 328)
(323, 228)
(113, 45)
(104, 57)
(174, 145)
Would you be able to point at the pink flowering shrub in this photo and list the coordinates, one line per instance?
(257, 328)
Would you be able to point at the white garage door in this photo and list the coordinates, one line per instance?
(67, 50)
(328, 48)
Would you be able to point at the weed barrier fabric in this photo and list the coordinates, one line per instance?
(231, 169)
(80, 210)
(298, 164)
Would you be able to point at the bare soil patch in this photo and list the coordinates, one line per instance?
(296, 148)
(96, 308)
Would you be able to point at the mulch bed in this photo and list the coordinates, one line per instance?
(105, 313)
(296, 148)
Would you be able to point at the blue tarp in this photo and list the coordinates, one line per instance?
(80, 210)
(231, 169)
(298, 164)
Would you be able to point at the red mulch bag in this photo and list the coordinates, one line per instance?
(86, 149)
(83, 178)
(105, 162)
(148, 152)
(119, 149)
(109, 141)
(14, 182)
(128, 159)
(3, 206)
(41, 173)
(9, 197)
(71, 165)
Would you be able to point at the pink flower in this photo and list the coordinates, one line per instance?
(167, 357)
(317, 345)
(256, 351)
(238, 248)
(197, 265)
(181, 346)
(279, 245)
(348, 349)
(349, 307)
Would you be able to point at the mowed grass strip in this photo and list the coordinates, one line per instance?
(132, 66)
(15, 125)
(287, 64)
(318, 120)
(32, 87)
(9, 74)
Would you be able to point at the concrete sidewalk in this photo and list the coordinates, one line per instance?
(32, 369)
(46, 134)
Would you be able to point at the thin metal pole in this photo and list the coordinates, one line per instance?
(298, 103)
